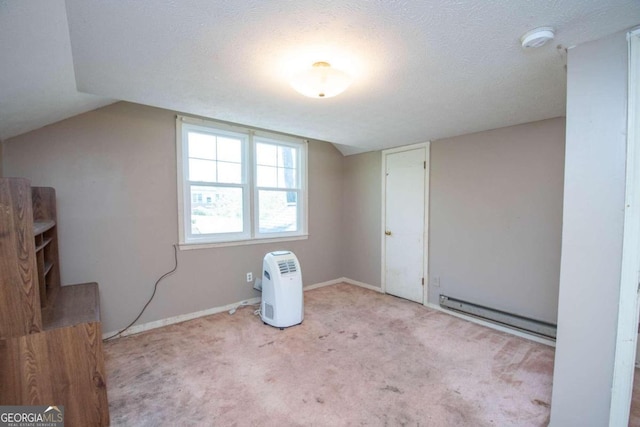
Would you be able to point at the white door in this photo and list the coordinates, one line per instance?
(405, 223)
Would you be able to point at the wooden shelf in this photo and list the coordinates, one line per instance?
(47, 267)
(43, 244)
(72, 305)
(50, 336)
(40, 227)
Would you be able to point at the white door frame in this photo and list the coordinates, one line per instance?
(425, 262)
(624, 361)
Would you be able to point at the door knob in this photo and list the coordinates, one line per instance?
(388, 233)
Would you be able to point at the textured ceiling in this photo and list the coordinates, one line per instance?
(422, 70)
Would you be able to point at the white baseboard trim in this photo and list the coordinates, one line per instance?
(362, 284)
(495, 326)
(136, 329)
(323, 284)
(344, 280)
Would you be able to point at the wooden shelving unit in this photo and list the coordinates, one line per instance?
(45, 235)
(50, 335)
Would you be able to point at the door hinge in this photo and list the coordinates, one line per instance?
(423, 281)
(425, 164)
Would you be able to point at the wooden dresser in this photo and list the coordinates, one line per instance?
(50, 335)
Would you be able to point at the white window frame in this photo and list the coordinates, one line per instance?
(299, 190)
(250, 138)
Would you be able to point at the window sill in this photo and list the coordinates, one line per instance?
(191, 246)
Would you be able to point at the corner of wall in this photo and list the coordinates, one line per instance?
(361, 222)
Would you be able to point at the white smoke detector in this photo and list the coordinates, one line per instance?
(537, 37)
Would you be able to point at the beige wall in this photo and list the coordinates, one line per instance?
(114, 170)
(362, 201)
(495, 215)
(496, 218)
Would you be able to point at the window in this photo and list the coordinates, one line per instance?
(239, 185)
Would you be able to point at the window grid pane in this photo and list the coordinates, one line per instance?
(276, 166)
(229, 173)
(229, 150)
(202, 146)
(277, 211)
(216, 210)
(266, 154)
(215, 159)
(202, 170)
(286, 157)
(267, 176)
(286, 178)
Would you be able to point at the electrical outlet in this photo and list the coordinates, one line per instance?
(436, 282)
(249, 277)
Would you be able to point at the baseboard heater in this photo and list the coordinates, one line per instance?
(537, 327)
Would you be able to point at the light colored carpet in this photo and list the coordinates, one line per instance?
(634, 416)
(359, 358)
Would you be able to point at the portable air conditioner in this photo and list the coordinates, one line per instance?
(282, 300)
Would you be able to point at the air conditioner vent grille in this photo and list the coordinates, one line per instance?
(287, 266)
(268, 311)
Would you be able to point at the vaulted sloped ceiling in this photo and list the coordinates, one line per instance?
(37, 83)
(422, 70)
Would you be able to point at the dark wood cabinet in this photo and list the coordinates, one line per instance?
(50, 335)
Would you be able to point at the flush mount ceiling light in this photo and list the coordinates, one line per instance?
(321, 81)
(537, 37)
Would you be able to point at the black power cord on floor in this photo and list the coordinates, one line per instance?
(155, 288)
